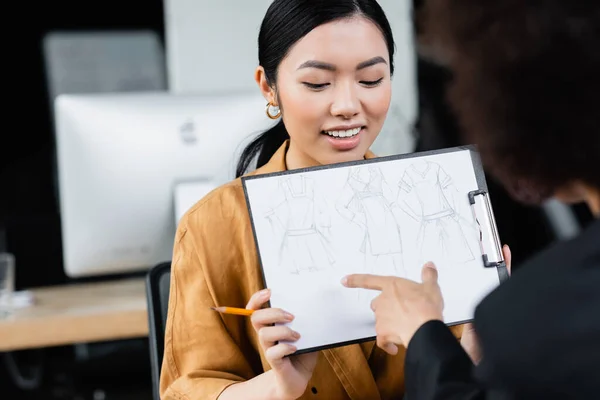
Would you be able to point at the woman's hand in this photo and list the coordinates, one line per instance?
(468, 339)
(291, 374)
(402, 306)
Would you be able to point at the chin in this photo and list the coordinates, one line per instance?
(344, 156)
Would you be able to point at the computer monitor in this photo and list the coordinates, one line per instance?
(119, 158)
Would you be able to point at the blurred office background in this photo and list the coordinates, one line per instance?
(175, 46)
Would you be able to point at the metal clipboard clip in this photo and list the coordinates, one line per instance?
(489, 241)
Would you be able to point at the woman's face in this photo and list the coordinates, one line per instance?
(334, 90)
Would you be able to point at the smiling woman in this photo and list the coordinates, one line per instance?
(325, 70)
(346, 136)
(335, 80)
(329, 75)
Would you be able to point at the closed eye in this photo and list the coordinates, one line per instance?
(371, 83)
(315, 86)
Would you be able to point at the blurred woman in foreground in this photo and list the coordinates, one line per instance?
(526, 89)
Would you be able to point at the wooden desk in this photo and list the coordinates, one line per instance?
(78, 313)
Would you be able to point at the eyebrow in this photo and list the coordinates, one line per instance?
(331, 67)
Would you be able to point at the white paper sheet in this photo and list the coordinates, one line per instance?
(389, 218)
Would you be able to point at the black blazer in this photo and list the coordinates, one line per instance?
(539, 333)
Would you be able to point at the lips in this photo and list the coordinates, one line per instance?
(345, 139)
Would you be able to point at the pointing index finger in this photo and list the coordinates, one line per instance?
(365, 281)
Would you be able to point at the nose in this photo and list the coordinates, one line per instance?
(345, 102)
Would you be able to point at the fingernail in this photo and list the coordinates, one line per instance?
(264, 292)
(345, 281)
(430, 265)
(288, 316)
(296, 335)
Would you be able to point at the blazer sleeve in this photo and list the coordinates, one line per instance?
(437, 367)
(203, 355)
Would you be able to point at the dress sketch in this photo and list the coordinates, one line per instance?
(301, 222)
(367, 200)
(427, 195)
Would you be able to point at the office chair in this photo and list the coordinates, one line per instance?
(158, 282)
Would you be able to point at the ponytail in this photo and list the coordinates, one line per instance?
(265, 145)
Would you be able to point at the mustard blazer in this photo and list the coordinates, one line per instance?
(215, 263)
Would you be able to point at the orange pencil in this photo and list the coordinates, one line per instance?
(233, 310)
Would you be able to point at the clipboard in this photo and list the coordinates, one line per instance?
(492, 255)
(477, 199)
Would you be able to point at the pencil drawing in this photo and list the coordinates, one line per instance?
(367, 200)
(428, 195)
(301, 223)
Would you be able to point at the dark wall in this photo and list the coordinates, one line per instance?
(27, 203)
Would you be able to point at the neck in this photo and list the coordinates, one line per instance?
(593, 201)
(296, 158)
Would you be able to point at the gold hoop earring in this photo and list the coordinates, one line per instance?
(273, 111)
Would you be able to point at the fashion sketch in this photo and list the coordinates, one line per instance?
(367, 200)
(428, 195)
(301, 222)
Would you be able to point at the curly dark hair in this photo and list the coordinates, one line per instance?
(526, 87)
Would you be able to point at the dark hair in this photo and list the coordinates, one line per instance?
(285, 23)
(526, 81)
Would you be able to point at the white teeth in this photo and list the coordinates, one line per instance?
(347, 133)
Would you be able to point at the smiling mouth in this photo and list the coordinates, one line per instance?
(343, 134)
